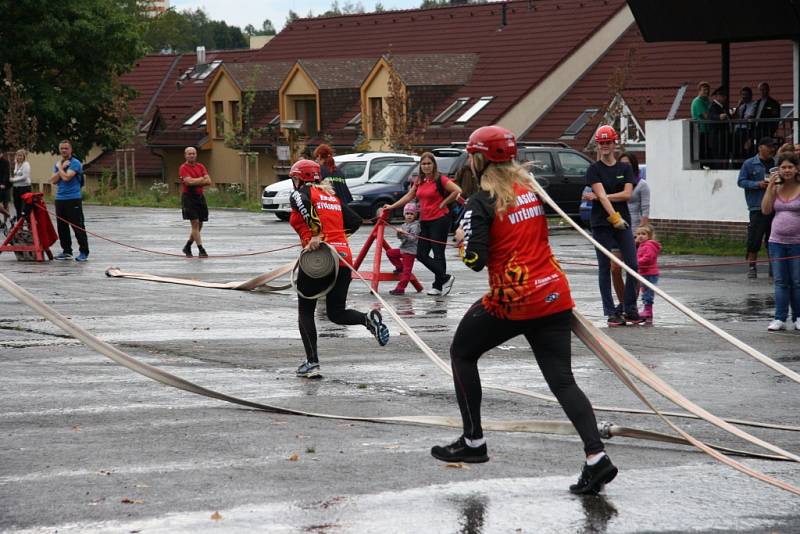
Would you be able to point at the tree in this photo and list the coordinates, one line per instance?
(67, 63)
(266, 29)
(402, 129)
(379, 8)
(291, 17)
(19, 128)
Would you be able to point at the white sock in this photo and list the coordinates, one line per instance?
(595, 458)
(474, 442)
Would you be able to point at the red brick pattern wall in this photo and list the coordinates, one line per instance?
(700, 229)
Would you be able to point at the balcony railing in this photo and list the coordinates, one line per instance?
(726, 144)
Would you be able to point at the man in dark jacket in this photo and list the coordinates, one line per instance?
(5, 184)
(752, 178)
(766, 108)
(719, 131)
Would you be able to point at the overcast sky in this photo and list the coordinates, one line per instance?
(243, 12)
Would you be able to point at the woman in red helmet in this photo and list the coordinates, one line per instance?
(504, 228)
(317, 216)
(612, 183)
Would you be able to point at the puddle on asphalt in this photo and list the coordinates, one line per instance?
(752, 308)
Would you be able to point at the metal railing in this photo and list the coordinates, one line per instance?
(726, 144)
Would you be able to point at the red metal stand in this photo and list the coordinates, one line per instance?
(38, 247)
(376, 275)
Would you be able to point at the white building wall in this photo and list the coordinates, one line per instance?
(679, 192)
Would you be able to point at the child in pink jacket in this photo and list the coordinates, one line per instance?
(647, 253)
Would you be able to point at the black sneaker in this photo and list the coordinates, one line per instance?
(633, 317)
(187, 249)
(459, 451)
(615, 319)
(202, 252)
(377, 328)
(308, 370)
(593, 477)
(752, 273)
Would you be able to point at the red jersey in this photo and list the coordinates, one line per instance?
(525, 281)
(315, 212)
(198, 170)
(429, 199)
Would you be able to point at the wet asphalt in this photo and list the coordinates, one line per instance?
(89, 446)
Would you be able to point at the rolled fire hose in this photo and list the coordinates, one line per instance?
(607, 430)
(317, 264)
(259, 282)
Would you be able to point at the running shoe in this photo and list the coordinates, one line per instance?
(776, 325)
(377, 328)
(633, 317)
(797, 324)
(308, 370)
(82, 257)
(594, 477)
(202, 252)
(448, 285)
(752, 273)
(187, 249)
(434, 291)
(616, 319)
(63, 256)
(459, 451)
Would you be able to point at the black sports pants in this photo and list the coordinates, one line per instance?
(72, 211)
(436, 230)
(549, 338)
(335, 303)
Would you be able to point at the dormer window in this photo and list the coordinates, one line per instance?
(476, 107)
(451, 110)
(196, 117)
(578, 124)
(355, 121)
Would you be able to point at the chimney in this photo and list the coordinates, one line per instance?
(201, 55)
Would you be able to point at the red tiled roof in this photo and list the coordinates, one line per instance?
(339, 73)
(259, 76)
(434, 69)
(513, 58)
(147, 163)
(655, 72)
(145, 78)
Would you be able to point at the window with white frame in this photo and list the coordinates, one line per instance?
(474, 109)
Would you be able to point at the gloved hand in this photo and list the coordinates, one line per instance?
(617, 221)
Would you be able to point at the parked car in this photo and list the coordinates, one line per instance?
(384, 188)
(561, 170)
(356, 169)
(450, 160)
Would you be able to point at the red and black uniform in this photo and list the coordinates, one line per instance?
(528, 295)
(315, 212)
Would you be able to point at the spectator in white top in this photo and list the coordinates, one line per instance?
(21, 180)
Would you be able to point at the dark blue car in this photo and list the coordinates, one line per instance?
(385, 187)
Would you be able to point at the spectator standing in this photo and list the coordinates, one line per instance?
(323, 155)
(21, 180)
(700, 106)
(719, 128)
(435, 219)
(742, 135)
(766, 108)
(5, 183)
(782, 197)
(403, 258)
(193, 176)
(68, 179)
(647, 251)
(753, 178)
(612, 185)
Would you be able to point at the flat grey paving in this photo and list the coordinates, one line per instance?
(88, 446)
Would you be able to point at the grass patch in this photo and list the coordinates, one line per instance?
(676, 244)
(158, 197)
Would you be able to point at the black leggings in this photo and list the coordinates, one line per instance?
(549, 338)
(437, 230)
(17, 193)
(335, 302)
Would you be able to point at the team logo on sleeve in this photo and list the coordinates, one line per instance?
(552, 297)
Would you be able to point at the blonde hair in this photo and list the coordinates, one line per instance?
(22, 152)
(498, 180)
(648, 229)
(326, 185)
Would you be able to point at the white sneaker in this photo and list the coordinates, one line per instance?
(447, 286)
(797, 324)
(434, 291)
(776, 325)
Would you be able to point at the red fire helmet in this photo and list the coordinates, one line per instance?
(306, 170)
(494, 142)
(604, 134)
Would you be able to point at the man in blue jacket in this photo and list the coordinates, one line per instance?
(68, 179)
(753, 178)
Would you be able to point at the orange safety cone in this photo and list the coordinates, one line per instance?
(376, 275)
